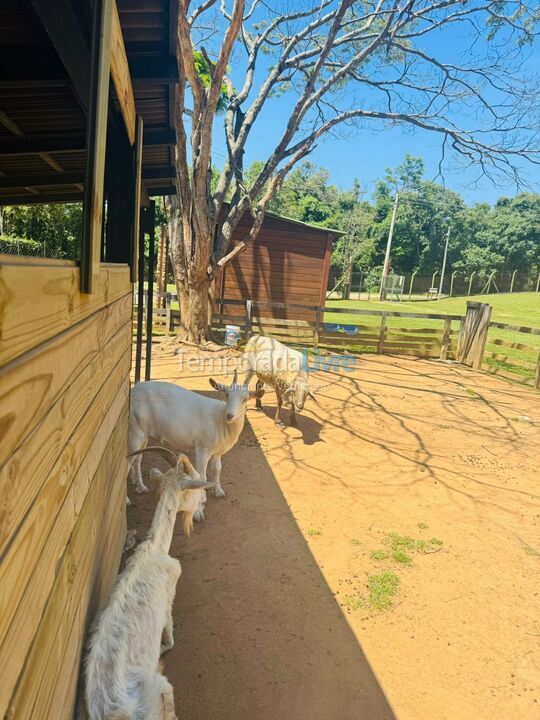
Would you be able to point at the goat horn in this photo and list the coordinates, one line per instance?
(235, 377)
(155, 447)
(188, 467)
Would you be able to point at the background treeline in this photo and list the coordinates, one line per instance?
(505, 237)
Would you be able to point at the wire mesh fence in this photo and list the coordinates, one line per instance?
(21, 246)
(363, 284)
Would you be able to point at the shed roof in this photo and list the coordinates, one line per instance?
(44, 88)
(317, 228)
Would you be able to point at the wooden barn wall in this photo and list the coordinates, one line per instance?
(64, 387)
(287, 263)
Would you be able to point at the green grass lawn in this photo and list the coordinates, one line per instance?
(515, 309)
(521, 309)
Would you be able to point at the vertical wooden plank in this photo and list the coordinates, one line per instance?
(537, 373)
(317, 330)
(446, 338)
(136, 174)
(140, 304)
(247, 329)
(382, 333)
(481, 336)
(325, 273)
(168, 315)
(150, 228)
(96, 140)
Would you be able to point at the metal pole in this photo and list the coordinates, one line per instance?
(386, 265)
(444, 263)
(512, 281)
(452, 282)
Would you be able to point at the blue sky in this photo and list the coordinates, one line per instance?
(366, 153)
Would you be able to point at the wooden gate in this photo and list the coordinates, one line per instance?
(473, 334)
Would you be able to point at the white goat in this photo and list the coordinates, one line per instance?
(122, 678)
(281, 367)
(189, 422)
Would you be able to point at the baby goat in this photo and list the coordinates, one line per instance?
(189, 422)
(123, 678)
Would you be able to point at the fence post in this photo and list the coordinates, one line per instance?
(168, 317)
(470, 281)
(433, 278)
(474, 335)
(317, 330)
(411, 283)
(446, 338)
(537, 373)
(382, 333)
(247, 329)
(452, 282)
(512, 281)
(538, 283)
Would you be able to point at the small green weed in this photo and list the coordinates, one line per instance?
(436, 541)
(380, 555)
(314, 531)
(356, 541)
(382, 590)
(423, 526)
(401, 557)
(354, 602)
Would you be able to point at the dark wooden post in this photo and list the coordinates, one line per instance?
(136, 174)
(96, 138)
(317, 329)
(150, 229)
(140, 304)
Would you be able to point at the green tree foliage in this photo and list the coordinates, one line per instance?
(483, 238)
(57, 226)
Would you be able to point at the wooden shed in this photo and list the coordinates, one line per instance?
(87, 105)
(289, 263)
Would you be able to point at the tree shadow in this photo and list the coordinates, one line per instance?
(258, 631)
(307, 428)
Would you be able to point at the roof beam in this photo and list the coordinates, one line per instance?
(62, 27)
(43, 70)
(154, 69)
(70, 143)
(14, 182)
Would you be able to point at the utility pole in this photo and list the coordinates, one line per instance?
(444, 263)
(386, 266)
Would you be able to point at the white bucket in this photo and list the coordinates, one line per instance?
(232, 335)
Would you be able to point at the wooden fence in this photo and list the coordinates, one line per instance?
(64, 379)
(498, 348)
(388, 332)
(510, 353)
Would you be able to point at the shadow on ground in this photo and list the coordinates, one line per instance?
(258, 631)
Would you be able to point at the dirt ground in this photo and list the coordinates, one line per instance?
(265, 625)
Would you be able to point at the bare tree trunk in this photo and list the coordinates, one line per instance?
(190, 268)
(194, 303)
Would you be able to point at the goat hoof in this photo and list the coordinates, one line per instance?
(259, 408)
(279, 423)
(198, 516)
(219, 491)
(141, 489)
(165, 648)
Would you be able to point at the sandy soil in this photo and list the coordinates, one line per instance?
(264, 626)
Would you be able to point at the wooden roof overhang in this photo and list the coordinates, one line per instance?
(45, 74)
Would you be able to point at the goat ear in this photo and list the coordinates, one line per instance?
(256, 393)
(217, 386)
(190, 484)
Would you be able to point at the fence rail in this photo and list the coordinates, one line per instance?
(505, 350)
(513, 356)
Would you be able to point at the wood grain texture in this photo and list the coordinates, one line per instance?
(86, 570)
(38, 300)
(121, 77)
(18, 629)
(33, 382)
